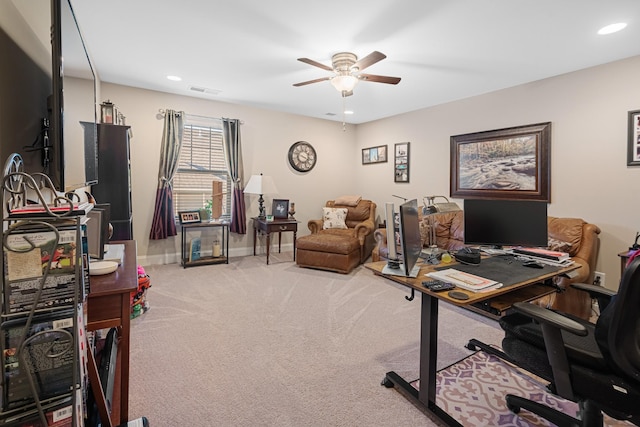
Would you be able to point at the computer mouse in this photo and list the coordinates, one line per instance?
(533, 264)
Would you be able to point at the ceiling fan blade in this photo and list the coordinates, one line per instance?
(369, 60)
(379, 79)
(315, 63)
(308, 82)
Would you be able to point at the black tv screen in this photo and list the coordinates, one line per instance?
(410, 240)
(500, 223)
(74, 149)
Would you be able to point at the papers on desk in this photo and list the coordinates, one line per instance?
(464, 280)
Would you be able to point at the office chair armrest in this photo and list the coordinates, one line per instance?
(551, 318)
(602, 294)
(595, 291)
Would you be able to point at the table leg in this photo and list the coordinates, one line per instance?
(124, 345)
(294, 244)
(255, 237)
(279, 241)
(268, 245)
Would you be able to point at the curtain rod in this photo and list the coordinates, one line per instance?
(196, 116)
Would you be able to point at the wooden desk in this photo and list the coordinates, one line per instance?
(425, 398)
(267, 227)
(109, 305)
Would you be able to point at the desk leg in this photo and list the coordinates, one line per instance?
(268, 245)
(425, 398)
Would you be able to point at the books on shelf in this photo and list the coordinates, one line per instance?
(464, 280)
(32, 262)
(39, 209)
(194, 249)
(542, 253)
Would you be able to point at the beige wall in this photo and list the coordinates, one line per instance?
(590, 179)
(266, 138)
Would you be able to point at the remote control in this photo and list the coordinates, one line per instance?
(437, 286)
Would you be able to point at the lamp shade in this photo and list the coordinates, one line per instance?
(260, 184)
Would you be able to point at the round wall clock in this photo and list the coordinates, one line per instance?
(302, 156)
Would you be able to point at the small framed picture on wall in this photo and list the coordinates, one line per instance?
(401, 166)
(633, 148)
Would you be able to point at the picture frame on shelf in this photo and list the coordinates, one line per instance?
(401, 165)
(509, 163)
(374, 155)
(633, 139)
(189, 217)
(280, 208)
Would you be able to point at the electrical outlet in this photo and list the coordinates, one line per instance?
(598, 279)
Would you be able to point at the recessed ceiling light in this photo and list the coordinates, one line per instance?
(174, 78)
(348, 112)
(613, 28)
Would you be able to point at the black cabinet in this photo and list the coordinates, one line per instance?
(114, 178)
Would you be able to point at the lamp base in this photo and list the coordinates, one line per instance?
(261, 208)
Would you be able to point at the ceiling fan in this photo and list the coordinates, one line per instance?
(347, 71)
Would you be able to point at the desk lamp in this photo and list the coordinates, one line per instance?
(430, 208)
(260, 184)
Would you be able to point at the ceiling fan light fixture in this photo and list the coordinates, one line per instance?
(344, 83)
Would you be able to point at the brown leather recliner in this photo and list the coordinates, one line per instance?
(578, 237)
(338, 249)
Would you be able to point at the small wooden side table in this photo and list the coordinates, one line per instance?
(265, 227)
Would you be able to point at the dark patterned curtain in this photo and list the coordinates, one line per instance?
(163, 224)
(233, 156)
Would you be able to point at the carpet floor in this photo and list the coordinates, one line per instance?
(250, 344)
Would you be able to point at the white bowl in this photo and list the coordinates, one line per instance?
(98, 268)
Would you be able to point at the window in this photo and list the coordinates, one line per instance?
(201, 162)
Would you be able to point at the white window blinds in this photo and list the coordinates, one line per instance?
(201, 162)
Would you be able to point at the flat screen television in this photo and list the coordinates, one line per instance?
(73, 133)
(498, 223)
(410, 242)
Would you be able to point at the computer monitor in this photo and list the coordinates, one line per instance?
(410, 242)
(390, 224)
(499, 223)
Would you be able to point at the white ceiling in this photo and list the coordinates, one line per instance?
(442, 49)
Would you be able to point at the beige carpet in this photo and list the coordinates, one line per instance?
(247, 344)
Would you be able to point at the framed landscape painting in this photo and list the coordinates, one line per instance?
(511, 163)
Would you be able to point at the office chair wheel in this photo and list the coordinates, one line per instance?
(386, 382)
(513, 408)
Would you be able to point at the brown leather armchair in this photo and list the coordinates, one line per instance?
(339, 249)
(577, 237)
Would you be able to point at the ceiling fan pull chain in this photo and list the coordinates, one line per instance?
(344, 116)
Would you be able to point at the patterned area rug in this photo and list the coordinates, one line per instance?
(473, 392)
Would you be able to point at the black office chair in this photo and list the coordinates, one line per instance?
(597, 366)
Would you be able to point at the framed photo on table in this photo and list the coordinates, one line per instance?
(633, 148)
(189, 217)
(280, 209)
(510, 163)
